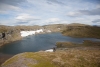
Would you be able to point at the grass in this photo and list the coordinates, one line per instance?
(42, 61)
(75, 58)
(3, 28)
(65, 44)
(82, 31)
(86, 43)
(86, 55)
(65, 58)
(36, 60)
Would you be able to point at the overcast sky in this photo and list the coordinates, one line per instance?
(43, 12)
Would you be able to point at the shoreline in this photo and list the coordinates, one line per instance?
(4, 57)
(87, 46)
(24, 34)
(64, 51)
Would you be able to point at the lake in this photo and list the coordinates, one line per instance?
(39, 42)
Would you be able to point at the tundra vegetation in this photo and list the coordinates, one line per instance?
(67, 54)
(72, 57)
(82, 31)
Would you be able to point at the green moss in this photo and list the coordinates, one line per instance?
(45, 64)
(42, 61)
(30, 65)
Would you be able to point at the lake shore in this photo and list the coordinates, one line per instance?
(87, 56)
(4, 57)
(65, 46)
(92, 48)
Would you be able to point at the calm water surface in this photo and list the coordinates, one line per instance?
(39, 42)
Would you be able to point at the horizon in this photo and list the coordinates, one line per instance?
(50, 24)
(45, 12)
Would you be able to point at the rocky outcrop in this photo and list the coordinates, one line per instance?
(9, 37)
(8, 34)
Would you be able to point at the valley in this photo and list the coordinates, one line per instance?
(83, 53)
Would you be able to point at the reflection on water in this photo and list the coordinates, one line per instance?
(39, 42)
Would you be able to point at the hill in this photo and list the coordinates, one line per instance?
(80, 56)
(66, 55)
(82, 31)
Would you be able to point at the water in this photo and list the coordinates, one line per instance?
(39, 42)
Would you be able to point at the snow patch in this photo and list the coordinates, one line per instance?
(48, 31)
(49, 50)
(27, 33)
(59, 28)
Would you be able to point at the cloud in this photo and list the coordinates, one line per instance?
(52, 20)
(55, 21)
(55, 1)
(25, 18)
(41, 12)
(74, 14)
(92, 1)
(96, 21)
(10, 5)
(5, 7)
(12, 2)
(90, 12)
(84, 12)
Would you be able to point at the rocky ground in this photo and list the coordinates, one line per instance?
(66, 55)
(62, 57)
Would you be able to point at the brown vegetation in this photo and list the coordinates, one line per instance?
(67, 54)
(82, 31)
(86, 43)
(8, 34)
(61, 58)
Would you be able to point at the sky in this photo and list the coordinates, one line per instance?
(44, 12)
